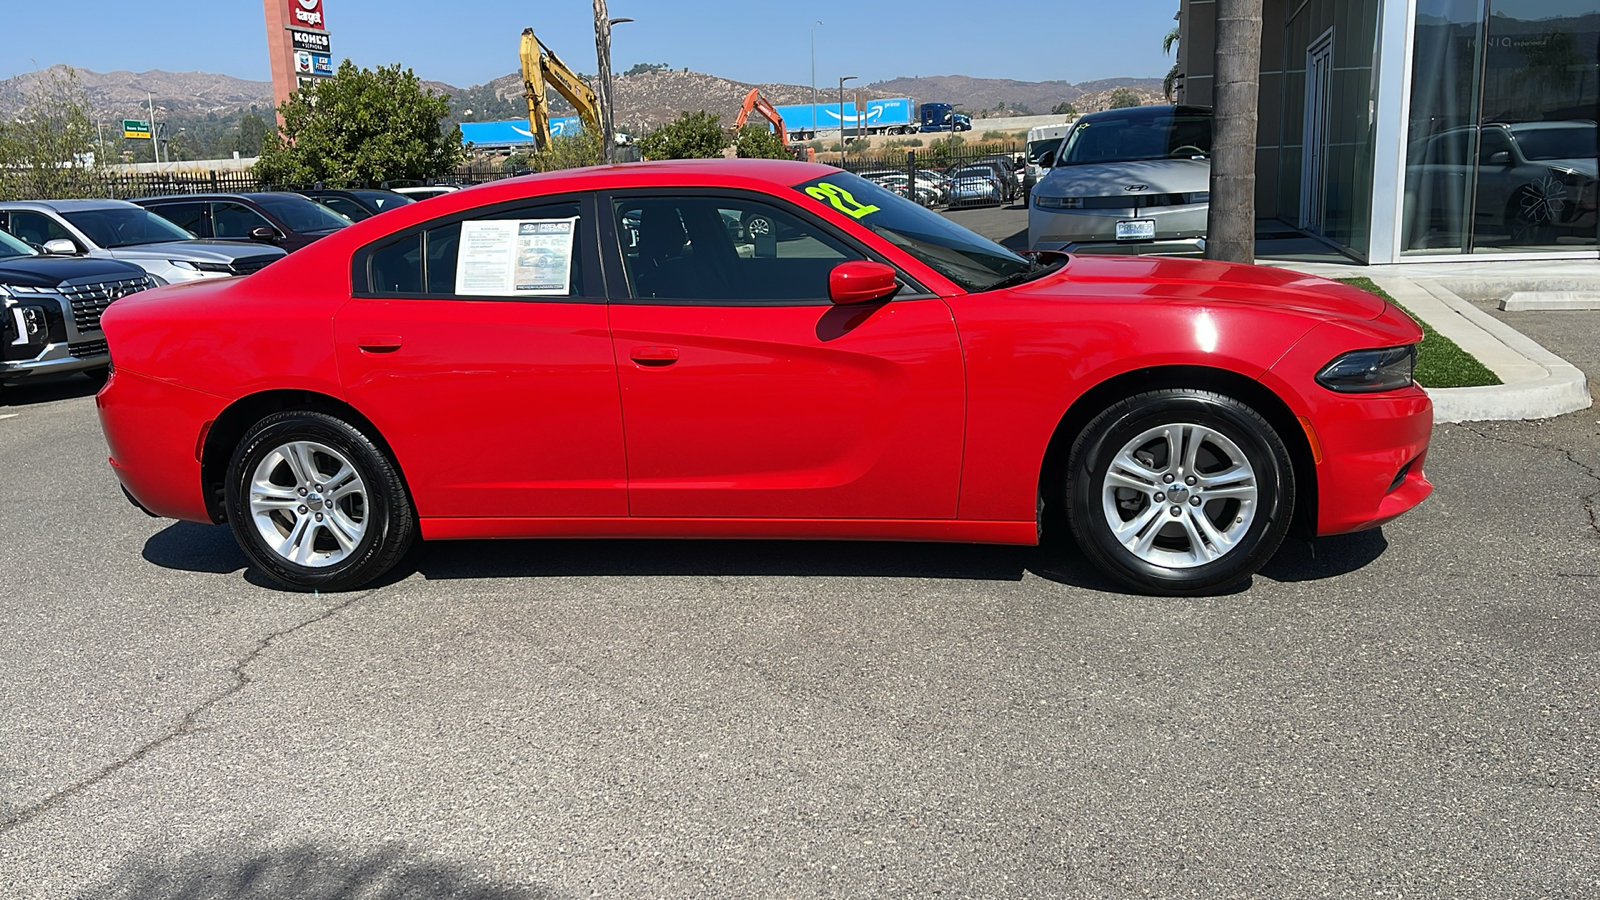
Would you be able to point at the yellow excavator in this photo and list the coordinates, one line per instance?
(541, 67)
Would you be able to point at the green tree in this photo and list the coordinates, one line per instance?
(252, 135)
(361, 125)
(1064, 108)
(1167, 43)
(50, 148)
(754, 141)
(696, 135)
(642, 68)
(581, 147)
(1122, 98)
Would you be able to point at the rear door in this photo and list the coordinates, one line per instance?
(747, 394)
(499, 399)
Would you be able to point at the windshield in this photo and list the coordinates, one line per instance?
(971, 261)
(1037, 150)
(125, 227)
(1124, 139)
(11, 248)
(300, 214)
(1569, 142)
(383, 200)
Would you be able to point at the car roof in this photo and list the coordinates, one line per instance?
(65, 206)
(1146, 112)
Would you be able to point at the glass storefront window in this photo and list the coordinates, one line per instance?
(1502, 133)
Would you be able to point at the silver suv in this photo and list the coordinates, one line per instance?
(117, 229)
(1128, 181)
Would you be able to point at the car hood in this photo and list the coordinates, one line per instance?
(1159, 176)
(1156, 279)
(49, 271)
(196, 251)
(1583, 166)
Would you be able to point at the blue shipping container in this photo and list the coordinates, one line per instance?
(514, 132)
(881, 114)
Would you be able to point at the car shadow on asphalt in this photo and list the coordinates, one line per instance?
(192, 547)
(47, 389)
(303, 871)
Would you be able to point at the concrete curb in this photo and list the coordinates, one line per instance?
(1538, 384)
(1532, 300)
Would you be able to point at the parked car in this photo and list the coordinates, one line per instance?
(976, 186)
(927, 183)
(278, 218)
(878, 372)
(901, 184)
(1044, 141)
(1535, 182)
(356, 205)
(1128, 181)
(50, 309)
(117, 229)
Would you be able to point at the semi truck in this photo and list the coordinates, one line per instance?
(895, 116)
(943, 117)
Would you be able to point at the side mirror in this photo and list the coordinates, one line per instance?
(263, 233)
(861, 281)
(60, 247)
(1503, 158)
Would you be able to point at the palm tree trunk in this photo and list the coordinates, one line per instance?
(1231, 222)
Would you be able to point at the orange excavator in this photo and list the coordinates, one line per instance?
(753, 101)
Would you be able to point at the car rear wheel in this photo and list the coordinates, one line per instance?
(316, 504)
(1179, 492)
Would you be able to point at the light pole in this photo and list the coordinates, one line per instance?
(602, 46)
(814, 79)
(841, 116)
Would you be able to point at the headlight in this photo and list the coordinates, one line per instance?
(27, 326)
(1057, 202)
(1370, 371)
(202, 266)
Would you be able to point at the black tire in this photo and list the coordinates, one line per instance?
(1172, 562)
(384, 512)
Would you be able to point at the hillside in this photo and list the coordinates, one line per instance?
(644, 100)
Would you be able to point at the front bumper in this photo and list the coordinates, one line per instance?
(1180, 230)
(59, 347)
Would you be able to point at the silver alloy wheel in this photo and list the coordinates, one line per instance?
(1180, 496)
(308, 503)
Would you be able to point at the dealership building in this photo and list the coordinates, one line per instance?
(1422, 130)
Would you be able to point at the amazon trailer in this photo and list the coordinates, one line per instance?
(895, 116)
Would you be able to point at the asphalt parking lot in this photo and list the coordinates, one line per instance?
(1402, 713)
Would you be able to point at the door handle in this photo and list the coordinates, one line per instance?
(379, 343)
(654, 356)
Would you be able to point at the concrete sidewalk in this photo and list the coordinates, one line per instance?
(1537, 384)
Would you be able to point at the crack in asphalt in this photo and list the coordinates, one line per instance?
(185, 725)
(1588, 499)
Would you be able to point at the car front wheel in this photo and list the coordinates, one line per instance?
(316, 504)
(1179, 492)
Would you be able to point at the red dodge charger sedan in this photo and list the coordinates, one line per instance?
(762, 349)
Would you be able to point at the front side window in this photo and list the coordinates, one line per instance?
(38, 229)
(235, 221)
(529, 252)
(724, 249)
(300, 214)
(970, 260)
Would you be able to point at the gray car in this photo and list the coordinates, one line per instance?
(117, 229)
(1128, 181)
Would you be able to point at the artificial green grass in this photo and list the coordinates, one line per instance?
(1441, 363)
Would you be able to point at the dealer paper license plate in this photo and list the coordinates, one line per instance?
(1136, 230)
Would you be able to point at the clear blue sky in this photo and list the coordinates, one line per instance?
(465, 42)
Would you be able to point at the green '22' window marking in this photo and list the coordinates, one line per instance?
(840, 199)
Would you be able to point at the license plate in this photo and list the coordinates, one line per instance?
(1136, 230)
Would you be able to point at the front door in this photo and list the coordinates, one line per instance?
(485, 360)
(1314, 165)
(747, 394)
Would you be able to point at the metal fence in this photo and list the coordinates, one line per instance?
(155, 184)
(945, 174)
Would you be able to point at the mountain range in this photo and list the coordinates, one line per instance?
(644, 99)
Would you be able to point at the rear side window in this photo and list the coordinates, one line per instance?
(531, 252)
(188, 216)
